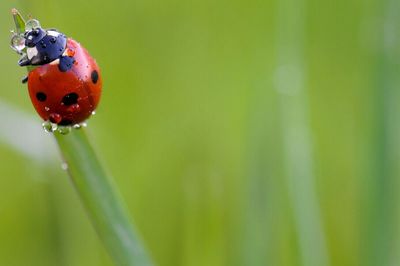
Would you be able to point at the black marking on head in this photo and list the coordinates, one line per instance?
(41, 96)
(70, 99)
(65, 122)
(66, 63)
(94, 76)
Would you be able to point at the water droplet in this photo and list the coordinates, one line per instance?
(64, 130)
(46, 108)
(55, 118)
(93, 112)
(49, 127)
(77, 126)
(74, 108)
(53, 40)
(64, 166)
(18, 43)
(32, 24)
(84, 124)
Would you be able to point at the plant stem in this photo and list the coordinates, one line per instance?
(101, 200)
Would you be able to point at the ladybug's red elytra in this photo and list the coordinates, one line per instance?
(65, 86)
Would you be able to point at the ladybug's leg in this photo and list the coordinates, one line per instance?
(24, 80)
(36, 60)
(24, 61)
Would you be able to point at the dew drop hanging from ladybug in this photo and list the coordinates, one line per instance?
(64, 81)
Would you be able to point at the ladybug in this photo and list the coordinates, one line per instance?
(64, 81)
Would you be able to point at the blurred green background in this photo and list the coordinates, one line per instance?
(259, 132)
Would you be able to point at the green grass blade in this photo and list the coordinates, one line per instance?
(101, 200)
(19, 21)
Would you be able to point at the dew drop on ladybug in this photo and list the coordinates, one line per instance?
(64, 81)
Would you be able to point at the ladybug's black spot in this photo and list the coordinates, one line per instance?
(95, 76)
(41, 96)
(70, 99)
(66, 63)
(65, 122)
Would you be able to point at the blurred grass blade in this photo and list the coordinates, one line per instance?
(297, 146)
(21, 132)
(101, 200)
(382, 220)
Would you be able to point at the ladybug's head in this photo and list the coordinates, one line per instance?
(34, 36)
(44, 46)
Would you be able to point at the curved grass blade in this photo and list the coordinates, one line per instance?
(101, 200)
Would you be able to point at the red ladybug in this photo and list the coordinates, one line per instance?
(65, 87)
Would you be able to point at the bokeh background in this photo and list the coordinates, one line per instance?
(258, 132)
